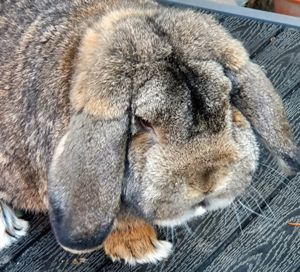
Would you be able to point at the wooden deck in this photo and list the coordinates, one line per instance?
(230, 240)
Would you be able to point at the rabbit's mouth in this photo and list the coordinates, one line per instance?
(177, 221)
(215, 203)
(202, 204)
(197, 210)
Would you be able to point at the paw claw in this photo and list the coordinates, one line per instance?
(11, 227)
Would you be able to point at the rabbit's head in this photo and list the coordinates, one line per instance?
(166, 104)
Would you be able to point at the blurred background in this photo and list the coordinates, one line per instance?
(287, 7)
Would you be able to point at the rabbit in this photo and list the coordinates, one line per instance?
(117, 116)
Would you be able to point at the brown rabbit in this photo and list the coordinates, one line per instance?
(117, 115)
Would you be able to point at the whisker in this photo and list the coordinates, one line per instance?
(247, 203)
(237, 217)
(172, 232)
(225, 217)
(162, 268)
(187, 227)
(274, 170)
(257, 204)
(246, 210)
(252, 211)
(166, 232)
(281, 175)
(268, 206)
(290, 188)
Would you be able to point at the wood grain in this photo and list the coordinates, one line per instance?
(47, 255)
(264, 246)
(281, 60)
(254, 35)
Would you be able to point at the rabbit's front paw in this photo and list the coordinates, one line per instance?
(134, 241)
(11, 227)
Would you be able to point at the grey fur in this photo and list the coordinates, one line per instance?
(261, 104)
(87, 171)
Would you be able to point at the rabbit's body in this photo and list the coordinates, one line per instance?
(115, 109)
(39, 40)
(37, 46)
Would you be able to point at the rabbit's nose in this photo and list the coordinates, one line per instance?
(208, 181)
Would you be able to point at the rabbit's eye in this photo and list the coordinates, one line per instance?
(142, 124)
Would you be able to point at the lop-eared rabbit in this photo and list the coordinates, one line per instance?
(119, 115)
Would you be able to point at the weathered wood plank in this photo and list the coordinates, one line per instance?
(281, 59)
(264, 246)
(254, 35)
(236, 10)
(47, 255)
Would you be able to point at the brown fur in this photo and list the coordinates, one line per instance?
(131, 239)
(238, 118)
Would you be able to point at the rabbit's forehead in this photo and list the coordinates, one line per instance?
(184, 101)
(144, 60)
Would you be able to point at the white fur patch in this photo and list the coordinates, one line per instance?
(181, 220)
(11, 227)
(200, 211)
(162, 251)
(220, 203)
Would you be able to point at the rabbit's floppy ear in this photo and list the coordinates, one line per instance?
(85, 180)
(254, 95)
(88, 165)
